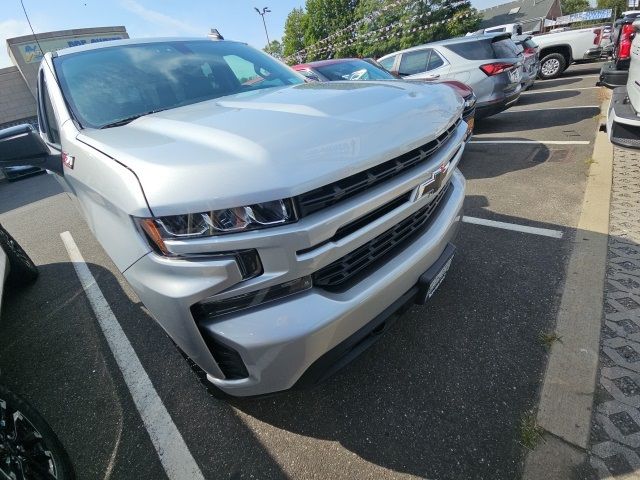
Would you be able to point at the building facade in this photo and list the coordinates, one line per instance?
(530, 13)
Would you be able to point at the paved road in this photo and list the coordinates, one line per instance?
(440, 397)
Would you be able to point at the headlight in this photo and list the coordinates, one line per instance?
(217, 222)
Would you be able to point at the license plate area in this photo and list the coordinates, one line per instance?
(431, 279)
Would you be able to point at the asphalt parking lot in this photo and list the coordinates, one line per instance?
(440, 397)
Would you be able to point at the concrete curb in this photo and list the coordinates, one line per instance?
(569, 384)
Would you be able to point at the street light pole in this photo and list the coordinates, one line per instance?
(262, 13)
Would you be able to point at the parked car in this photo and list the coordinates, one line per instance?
(29, 449)
(615, 72)
(559, 50)
(623, 118)
(368, 69)
(490, 64)
(531, 63)
(271, 226)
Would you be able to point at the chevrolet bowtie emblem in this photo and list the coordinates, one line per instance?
(433, 184)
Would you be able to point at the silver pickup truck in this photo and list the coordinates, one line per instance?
(271, 226)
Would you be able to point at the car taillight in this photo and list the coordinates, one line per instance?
(495, 68)
(598, 32)
(626, 36)
(624, 51)
(529, 51)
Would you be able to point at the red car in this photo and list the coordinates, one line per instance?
(340, 69)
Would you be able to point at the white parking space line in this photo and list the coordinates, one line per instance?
(172, 450)
(549, 108)
(533, 142)
(545, 232)
(529, 92)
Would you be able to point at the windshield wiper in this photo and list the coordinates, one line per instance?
(130, 119)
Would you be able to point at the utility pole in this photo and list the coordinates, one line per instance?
(262, 13)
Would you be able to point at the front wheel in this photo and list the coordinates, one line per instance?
(29, 449)
(22, 270)
(552, 66)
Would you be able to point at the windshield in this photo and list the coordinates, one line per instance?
(354, 70)
(108, 85)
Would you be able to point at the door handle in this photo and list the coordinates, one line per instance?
(433, 76)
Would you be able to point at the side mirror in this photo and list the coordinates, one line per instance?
(21, 145)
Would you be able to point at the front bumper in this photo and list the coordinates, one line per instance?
(611, 76)
(280, 342)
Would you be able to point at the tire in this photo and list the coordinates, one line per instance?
(552, 66)
(29, 449)
(22, 270)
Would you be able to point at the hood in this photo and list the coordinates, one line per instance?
(273, 143)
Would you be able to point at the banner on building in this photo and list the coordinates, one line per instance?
(587, 16)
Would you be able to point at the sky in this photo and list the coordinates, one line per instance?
(235, 19)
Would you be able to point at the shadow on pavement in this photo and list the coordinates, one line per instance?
(53, 352)
(539, 97)
(487, 160)
(577, 72)
(29, 190)
(549, 84)
(518, 121)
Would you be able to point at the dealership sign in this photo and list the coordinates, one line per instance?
(31, 52)
(584, 16)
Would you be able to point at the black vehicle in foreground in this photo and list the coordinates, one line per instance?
(29, 448)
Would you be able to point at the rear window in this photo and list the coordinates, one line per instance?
(485, 49)
(475, 50)
(505, 48)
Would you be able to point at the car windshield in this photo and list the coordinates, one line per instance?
(354, 70)
(110, 86)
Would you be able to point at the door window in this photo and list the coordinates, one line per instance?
(388, 62)
(414, 62)
(435, 61)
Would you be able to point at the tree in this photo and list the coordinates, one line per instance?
(274, 49)
(618, 6)
(372, 40)
(465, 21)
(294, 31)
(327, 17)
(574, 6)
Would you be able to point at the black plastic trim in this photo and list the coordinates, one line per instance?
(341, 190)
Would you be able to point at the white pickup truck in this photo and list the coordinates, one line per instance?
(558, 50)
